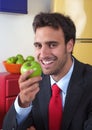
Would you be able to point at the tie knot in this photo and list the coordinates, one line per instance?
(55, 90)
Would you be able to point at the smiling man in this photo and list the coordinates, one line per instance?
(61, 98)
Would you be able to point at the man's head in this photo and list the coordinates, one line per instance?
(54, 41)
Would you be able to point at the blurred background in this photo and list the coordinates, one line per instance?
(16, 33)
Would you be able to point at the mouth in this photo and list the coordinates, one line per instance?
(47, 63)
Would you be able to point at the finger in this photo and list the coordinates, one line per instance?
(24, 76)
(27, 95)
(30, 82)
(32, 91)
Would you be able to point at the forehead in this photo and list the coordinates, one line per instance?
(49, 33)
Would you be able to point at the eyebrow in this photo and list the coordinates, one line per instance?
(48, 42)
(51, 42)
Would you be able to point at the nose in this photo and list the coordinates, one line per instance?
(45, 51)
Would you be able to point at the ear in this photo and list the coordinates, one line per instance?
(70, 45)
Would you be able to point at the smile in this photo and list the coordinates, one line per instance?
(47, 62)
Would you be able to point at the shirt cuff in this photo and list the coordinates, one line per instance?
(22, 113)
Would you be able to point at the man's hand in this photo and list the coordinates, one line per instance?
(31, 128)
(29, 87)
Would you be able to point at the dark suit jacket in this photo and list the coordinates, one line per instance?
(77, 113)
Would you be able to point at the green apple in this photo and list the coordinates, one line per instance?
(20, 61)
(30, 58)
(11, 59)
(19, 56)
(31, 65)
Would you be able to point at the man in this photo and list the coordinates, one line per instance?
(54, 42)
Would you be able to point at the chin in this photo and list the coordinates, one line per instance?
(47, 72)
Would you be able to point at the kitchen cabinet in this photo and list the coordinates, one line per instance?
(9, 89)
(13, 6)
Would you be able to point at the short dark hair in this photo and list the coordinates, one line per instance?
(56, 21)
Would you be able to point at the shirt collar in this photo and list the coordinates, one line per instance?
(63, 83)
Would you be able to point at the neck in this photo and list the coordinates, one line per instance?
(63, 72)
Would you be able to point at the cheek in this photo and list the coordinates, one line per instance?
(37, 54)
(60, 51)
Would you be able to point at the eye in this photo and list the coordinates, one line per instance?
(37, 45)
(52, 44)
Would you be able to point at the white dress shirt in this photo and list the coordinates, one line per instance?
(63, 83)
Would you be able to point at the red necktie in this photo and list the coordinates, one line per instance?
(55, 109)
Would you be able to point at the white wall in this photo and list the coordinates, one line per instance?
(16, 33)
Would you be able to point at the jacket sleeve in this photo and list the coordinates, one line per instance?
(10, 122)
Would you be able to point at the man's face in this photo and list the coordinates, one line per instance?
(51, 51)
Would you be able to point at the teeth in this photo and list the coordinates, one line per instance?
(47, 62)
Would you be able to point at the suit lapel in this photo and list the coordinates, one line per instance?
(72, 101)
(44, 97)
(74, 94)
